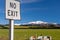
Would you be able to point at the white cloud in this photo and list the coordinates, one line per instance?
(38, 22)
(30, 1)
(54, 23)
(17, 24)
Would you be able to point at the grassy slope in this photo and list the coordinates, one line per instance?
(21, 34)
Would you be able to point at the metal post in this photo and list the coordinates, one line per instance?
(11, 29)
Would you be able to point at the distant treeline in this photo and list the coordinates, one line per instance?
(3, 27)
(50, 26)
(43, 26)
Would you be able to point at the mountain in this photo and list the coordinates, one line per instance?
(40, 23)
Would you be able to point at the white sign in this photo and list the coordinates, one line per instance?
(12, 9)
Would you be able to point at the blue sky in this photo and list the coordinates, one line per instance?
(35, 10)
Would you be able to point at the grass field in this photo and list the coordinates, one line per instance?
(21, 34)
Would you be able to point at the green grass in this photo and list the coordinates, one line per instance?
(21, 34)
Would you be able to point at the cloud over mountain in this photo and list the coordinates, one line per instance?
(38, 22)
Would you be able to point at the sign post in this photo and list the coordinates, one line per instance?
(12, 13)
(11, 29)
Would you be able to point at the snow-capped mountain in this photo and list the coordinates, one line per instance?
(40, 23)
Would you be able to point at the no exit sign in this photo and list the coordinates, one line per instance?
(12, 9)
